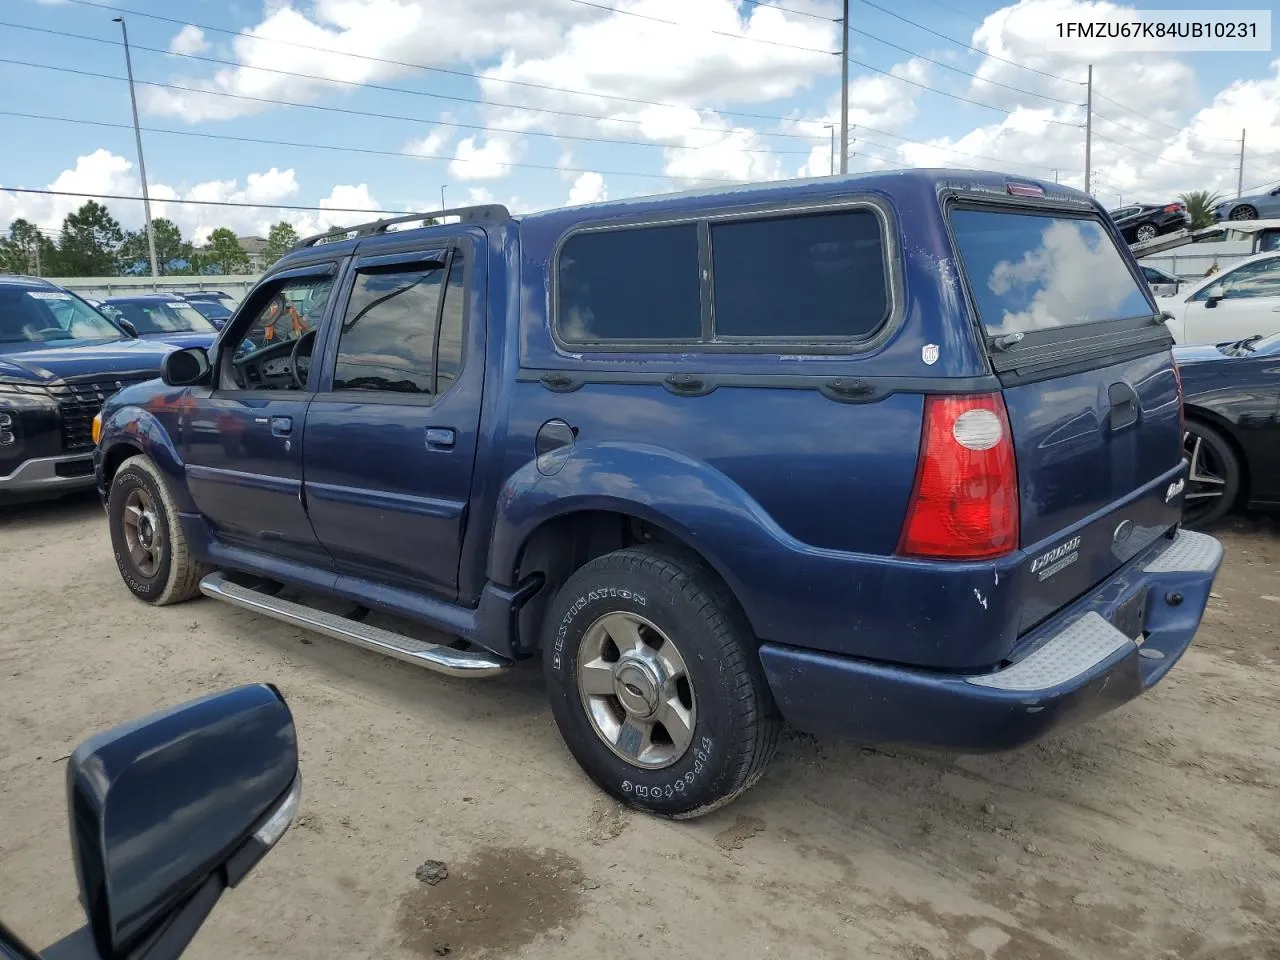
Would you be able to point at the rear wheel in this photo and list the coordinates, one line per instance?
(1244, 212)
(655, 683)
(146, 538)
(1213, 478)
(1146, 231)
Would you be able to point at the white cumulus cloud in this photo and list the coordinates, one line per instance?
(588, 188)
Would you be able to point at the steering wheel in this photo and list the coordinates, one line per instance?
(293, 360)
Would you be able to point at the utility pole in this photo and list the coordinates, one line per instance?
(844, 89)
(442, 206)
(1055, 174)
(137, 132)
(832, 128)
(1088, 134)
(39, 271)
(1240, 173)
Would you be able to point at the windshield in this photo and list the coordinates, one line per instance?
(1031, 272)
(47, 316)
(161, 316)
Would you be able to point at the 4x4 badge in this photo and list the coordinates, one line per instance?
(929, 353)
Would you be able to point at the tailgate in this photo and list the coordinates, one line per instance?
(1090, 390)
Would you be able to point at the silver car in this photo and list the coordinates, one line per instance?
(1257, 206)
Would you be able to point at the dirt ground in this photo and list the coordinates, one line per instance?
(1151, 833)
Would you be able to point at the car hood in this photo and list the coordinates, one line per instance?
(182, 339)
(44, 364)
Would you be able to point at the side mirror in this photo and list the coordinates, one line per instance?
(1216, 292)
(185, 368)
(169, 811)
(127, 326)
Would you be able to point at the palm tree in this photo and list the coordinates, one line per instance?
(1200, 204)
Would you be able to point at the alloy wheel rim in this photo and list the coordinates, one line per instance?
(143, 534)
(636, 690)
(1206, 480)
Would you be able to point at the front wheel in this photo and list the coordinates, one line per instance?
(656, 684)
(1146, 232)
(150, 549)
(1213, 475)
(1244, 212)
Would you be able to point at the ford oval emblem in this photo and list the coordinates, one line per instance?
(1122, 532)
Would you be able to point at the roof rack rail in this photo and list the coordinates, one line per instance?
(476, 214)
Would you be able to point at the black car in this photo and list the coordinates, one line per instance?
(1231, 397)
(59, 360)
(1140, 222)
(169, 812)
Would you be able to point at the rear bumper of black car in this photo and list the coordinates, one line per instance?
(1105, 649)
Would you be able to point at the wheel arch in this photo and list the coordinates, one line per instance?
(131, 431)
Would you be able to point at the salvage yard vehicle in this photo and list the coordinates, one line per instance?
(167, 813)
(59, 359)
(862, 454)
(1242, 301)
(162, 317)
(1232, 402)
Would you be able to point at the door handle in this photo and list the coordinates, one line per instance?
(1124, 406)
(281, 426)
(440, 438)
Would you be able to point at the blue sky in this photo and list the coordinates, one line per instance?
(1169, 121)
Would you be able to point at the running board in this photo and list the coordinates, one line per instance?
(433, 656)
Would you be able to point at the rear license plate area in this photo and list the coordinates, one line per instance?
(1131, 616)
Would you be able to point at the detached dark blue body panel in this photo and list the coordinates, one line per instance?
(789, 471)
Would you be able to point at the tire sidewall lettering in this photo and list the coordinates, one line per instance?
(591, 596)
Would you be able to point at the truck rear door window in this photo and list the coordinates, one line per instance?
(630, 285)
(819, 276)
(1030, 272)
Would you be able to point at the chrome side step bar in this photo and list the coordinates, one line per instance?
(433, 656)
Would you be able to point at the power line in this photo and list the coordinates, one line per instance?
(207, 203)
(370, 151)
(390, 89)
(482, 78)
(792, 10)
(1153, 136)
(1152, 156)
(961, 153)
(953, 96)
(961, 43)
(349, 111)
(421, 94)
(1149, 119)
(694, 26)
(966, 73)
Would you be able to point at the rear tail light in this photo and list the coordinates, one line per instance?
(1174, 208)
(964, 505)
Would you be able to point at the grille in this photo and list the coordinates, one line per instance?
(79, 402)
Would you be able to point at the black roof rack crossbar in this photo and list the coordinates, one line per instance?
(489, 212)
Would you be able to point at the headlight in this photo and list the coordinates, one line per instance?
(97, 427)
(7, 425)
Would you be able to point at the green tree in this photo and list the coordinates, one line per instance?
(173, 254)
(90, 242)
(222, 254)
(280, 240)
(27, 250)
(1200, 204)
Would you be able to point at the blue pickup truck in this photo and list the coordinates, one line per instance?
(896, 456)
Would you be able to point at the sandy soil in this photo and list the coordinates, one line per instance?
(1152, 833)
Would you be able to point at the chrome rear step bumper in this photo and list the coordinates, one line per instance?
(433, 656)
